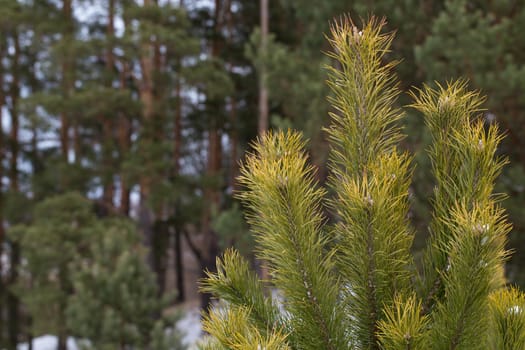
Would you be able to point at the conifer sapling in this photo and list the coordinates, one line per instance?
(353, 283)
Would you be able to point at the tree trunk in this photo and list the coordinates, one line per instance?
(178, 264)
(234, 134)
(62, 331)
(66, 79)
(177, 145)
(2, 229)
(13, 302)
(124, 143)
(263, 89)
(151, 129)
(124, 137)
(146, 98)
(212, 194)
(108, 190)
(263, 95)
(161, 235)
(177, 127)
(208, 264)
(234, 144)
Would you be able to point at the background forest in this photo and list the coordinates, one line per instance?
(123, 123)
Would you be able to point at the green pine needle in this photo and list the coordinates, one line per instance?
(353, 284)
(508, 319)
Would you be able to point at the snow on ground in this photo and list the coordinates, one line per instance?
(189, 325)
(48, 342)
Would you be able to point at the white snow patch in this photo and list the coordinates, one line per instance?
(190, 326)
(515, 310)
(48, 342)
(4, 264)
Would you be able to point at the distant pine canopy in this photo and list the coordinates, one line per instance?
(353, 283)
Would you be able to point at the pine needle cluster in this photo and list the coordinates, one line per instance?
(351, 283)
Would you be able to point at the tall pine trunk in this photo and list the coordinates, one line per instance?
(2, 204)
(124, 141)
(146, 216)
(150, 214)
(67, 86)
(66, 78)
(214, 161)
(107, 124)
(13, 302)
(263, 122)
(177, 146)
(263, 89)
(234, 131)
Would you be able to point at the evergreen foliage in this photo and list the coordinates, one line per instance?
(62, 224)
(99, 287)
(353, 283)
(116, 302)
(479, 40)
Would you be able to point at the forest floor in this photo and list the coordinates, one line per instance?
(189, 325)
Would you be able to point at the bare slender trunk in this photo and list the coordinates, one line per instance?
(234, 144)
(177, 128)
(177, 145)
(124, 143)
(234, 134)
(263, 89)
(178, 263)
(148, 215)
(212, 194)
(61, 316)
(66, 79)
(160, 235)
(124, 137)
(146, 218)
(2, 229)
(263, 94)
(13, 302)
(108, 190)
(67, 86)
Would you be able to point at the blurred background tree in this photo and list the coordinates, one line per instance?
(115, 295)
(59, 234)
(146, 107)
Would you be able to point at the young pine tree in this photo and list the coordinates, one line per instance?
(116, 304)
(88, 278)
(59, 233)
(354, 284)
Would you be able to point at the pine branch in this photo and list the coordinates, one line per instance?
(232, 328)
(365, 90)
(404, 326)
(370, 177)
(286, 217)
(465, 168)
(507, 328)
(370, 303)
(236, 284)
(477, 252)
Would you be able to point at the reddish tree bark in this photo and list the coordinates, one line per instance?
(212, 194)
(177, 146)
(66, 79)
(107, 124)
(2, 229)
(13, 302)
(263, 89)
